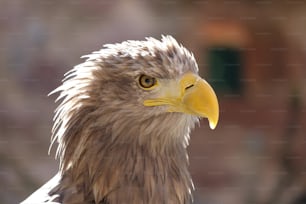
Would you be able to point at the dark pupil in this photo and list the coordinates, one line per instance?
(148, 81)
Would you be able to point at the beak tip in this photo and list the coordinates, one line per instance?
(213, 122)
(212, 125)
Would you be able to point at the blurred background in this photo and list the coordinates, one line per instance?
(252, 52)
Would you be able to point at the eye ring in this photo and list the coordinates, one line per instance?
(147, 82)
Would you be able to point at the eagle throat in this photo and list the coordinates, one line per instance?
(139, 164)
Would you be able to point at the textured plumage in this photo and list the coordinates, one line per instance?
(117, 141)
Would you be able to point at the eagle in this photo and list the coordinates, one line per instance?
(123, 125)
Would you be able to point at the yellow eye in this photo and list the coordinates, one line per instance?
(147, 82)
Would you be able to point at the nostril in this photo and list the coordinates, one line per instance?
(188, 87)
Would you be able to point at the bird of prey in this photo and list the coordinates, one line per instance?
(123, 126)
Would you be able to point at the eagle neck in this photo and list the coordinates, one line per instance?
(136, 164)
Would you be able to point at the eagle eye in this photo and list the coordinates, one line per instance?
(147, 82)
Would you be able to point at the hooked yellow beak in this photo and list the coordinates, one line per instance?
(190, 95)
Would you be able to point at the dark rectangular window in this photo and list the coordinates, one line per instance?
(224, 69)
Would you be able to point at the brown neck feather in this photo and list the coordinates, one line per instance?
(128, 164)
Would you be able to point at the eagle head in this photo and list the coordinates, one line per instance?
(125, 117)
